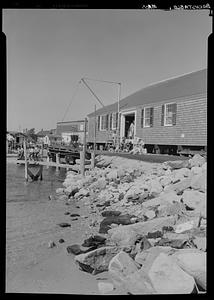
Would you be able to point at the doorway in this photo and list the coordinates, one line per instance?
(126, 120)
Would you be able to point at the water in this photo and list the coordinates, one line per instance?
(30, 215)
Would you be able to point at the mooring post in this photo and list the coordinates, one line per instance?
(48, 159)
(25, 155)
(57, 161)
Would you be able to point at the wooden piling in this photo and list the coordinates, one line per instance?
(82, 163)
(48, 159)
(93, 159)
(57, 161)
(25, 155)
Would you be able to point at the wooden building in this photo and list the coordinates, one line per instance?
(71, 131)
(170, 116)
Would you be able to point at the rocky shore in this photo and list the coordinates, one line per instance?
(146, 224)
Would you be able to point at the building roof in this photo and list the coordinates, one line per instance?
(43, 133)
(186, 85)
(68, 122)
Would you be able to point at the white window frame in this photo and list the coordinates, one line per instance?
(144, 117)
(165, 105)
(112, 121)
(101, 123)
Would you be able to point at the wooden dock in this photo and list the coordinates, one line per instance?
(75, 167)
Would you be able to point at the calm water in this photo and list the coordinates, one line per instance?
(30, 215)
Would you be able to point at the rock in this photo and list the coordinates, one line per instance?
(67, 213)
(201, 243)
(83, 192)
(146, 257)
(121, 219)
(194, 264)
(150, 214)
(123, 237)
(120, 266)
(75, 219)
(64, 225)
(168, 278)
(184, 226)
(165, 180)
(51, 244)
(95, 240)
(178, 164)
(96, 261)
(182, 185)
(74, 249)
(196, 170)
(105, 287)
(155, 188)
(110, 213)
(167, 228)
(154, 235)
(178, 244)
(112, 175)
(144, 244)
(138, 283)
(198, 182)
(194, 199)
(171, 209)
(73, 191)
(61, 241)
(60, 191)
(74, 215)
(197, 161)
(62, 198)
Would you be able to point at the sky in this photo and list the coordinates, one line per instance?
(50, 50)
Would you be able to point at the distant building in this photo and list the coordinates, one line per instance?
(71, 131)
(47, 137)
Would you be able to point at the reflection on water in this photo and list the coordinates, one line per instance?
(30, 215)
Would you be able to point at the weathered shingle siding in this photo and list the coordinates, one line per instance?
(191, 120)
(101, 136)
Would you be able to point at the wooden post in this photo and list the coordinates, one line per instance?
(25, 155)
(57, 161)
(48, 159)
(93, 159)
(6, 146)
(82, 163)
(84, 150)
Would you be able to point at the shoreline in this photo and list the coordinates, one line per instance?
(59, 273)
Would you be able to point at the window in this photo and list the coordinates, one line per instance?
(147, 117)
(169, 114)
(103, 122)
(114, 121)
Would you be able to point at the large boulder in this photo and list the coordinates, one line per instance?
(124, 272)
(96, 261)
(120, 266)
(198, 182)
(197, 161)
(143, 228)
(168, 278)
(121, 219)
(178, 164)
(155, 188)
(181, 185)
(193, 263)
(193, 199)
